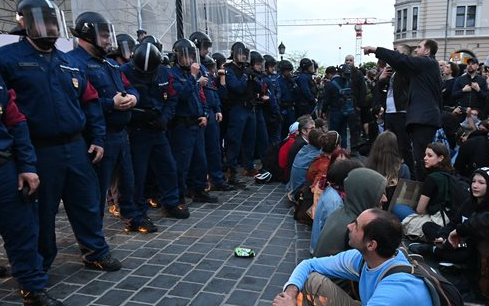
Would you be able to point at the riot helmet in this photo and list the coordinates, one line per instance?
(185, 53)
(43, 22)
(165, 60)
(125, 46)
(209, 62)
(270, 61)
(285, 65)
(256, 59)
(306, 65)
(146, 60)
(152, 40)
(202, 41)
(239, 53)
(95, 29)
(220, 59)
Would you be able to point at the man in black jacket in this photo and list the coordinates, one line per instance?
(424, 97)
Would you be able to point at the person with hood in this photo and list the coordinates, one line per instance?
(364, 188)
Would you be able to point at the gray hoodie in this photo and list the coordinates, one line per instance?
(364, 188)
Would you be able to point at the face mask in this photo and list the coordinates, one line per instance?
(45, 44)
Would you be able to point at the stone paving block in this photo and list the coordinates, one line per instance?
(260, 270)
(209, 264)
(147, 270)
(149, 295)
(191, 258)
(186, 290)
(270, 292)
(95, 287)
(252, 283)
(62, 290)
(79, 300)
(114, 297)
(219, 285)
(115, 276)
(178, 268)
(279, 279)
(230, 272)
(174, 301)
(162, 259)
(82, 277)
(201, 247)
(175, 249)
(132, 283)
(207, 299)
(242, 298)
(198, 276)
(268, 260)
(164, 281)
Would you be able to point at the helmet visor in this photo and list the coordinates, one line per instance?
(187, 56)
(126, 50)
(105, 36)
(241, 55)
(44, 22)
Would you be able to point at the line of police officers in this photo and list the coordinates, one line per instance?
(70, 120)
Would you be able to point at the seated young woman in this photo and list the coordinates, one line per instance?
(433, 194)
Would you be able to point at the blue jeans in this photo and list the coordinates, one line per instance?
(338, 122)
(402, 211)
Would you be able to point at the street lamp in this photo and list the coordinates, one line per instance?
(281, 50)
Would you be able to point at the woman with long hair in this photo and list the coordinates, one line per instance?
(384, 157)
(433, 193)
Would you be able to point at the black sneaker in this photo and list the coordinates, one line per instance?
(224, 187)
(38, 298)
(203, 196)
(421, 248)
(106, 263)
(178, 212)
(143, 226)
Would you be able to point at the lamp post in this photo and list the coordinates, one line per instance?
(281, 50)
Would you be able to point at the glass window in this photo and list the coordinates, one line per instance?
(470, 16)
(460, 22)
(399, 14)
(415, 19)
(404, 19)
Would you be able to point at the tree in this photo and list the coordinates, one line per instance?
(295, 57)
(369, 65)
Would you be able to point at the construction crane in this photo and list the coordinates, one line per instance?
(358, 23)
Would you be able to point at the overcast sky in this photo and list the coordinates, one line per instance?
(322, 43)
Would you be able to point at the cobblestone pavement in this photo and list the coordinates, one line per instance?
(187, 262)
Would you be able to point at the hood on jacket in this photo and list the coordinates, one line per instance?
(364, 188)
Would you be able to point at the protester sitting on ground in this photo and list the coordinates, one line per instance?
(364, 188)
(441, 248)
(386, 159)
(433, 194)
(332, 197)
(284, 149)
(474, 229)
(471, 121)
(302, 162)
(473, 153)
(321, 124)
(306, 124)
(374, 236)
(319, 167)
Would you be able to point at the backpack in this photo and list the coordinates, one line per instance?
(458, 192)
(442, 291)
(346, 97)
(270, 162)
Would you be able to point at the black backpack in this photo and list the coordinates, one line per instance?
(442, 291)
(345, 97)
(270, 162)
(458, 192)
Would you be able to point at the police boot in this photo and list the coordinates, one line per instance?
(232, 179)
(202, 196)
(38, 298)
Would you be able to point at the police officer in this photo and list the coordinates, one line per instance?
(307, 91)
(211, 85)
(147, 131)
(152, 40)
(117, 96)
(141, 33)
(241, 130)
(59, 103)
(187, 127)
(287, 95)
(273, 116)
(125, 47)
(18, 213)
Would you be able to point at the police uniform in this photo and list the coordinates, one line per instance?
(58, 103)
(18, 218)
(286, 99)
(105, 75)
(307, 93)
(148, 138)
(273, 117)
(187, 137)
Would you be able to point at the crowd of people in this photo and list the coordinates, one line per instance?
(117, 121)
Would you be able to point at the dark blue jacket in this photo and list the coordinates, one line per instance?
(287, 93)
(158, 94)
(14, 133)
(332, 94)
(307, 89)
(190, 95)
(472, 98)
(242, 89)
(424, 97)
(54, 94)
(271, 88)
(105, 75)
